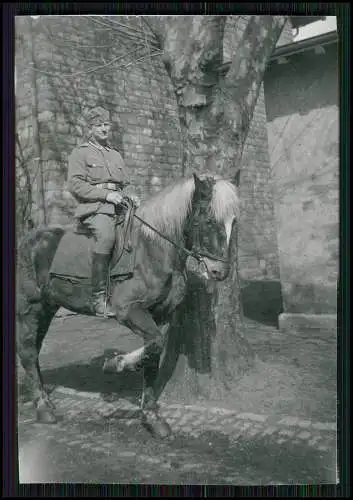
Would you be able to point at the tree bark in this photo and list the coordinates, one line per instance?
(205, 343)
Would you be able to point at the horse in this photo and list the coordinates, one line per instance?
(184, 228)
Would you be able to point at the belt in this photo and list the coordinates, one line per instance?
(109, 185)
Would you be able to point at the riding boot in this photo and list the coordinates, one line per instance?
(100, 266)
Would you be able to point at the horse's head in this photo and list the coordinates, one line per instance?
(214, 208)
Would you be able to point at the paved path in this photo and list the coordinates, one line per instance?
(101, 441)
(196, 420)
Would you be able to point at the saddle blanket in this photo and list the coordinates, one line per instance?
(73, 258)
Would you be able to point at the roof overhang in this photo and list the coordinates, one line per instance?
(314, 44)
(281, 54)
(300, 21)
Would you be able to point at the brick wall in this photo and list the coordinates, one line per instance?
(303, 131)
(137, 93)
(143, 107)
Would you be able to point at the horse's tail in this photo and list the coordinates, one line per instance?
(26, 277)
(34, 251)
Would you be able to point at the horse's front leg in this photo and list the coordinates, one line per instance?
(141, 322)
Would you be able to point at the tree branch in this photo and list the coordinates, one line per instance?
(243, 80)
(193, 50)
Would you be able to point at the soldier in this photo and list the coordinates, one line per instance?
(97, 174)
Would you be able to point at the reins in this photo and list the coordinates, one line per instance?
(198, 254)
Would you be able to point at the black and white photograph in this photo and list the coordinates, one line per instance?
(178, 245)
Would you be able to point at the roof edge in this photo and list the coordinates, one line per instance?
(300, 21)
(289, 49)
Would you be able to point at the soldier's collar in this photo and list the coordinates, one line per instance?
(98, 146)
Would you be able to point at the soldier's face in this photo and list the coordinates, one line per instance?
(100, 131)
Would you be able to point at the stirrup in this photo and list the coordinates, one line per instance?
(98, 306)
(108, 312)
(105, 314)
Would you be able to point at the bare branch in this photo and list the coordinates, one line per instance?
(156, 33)
(91, 70)
(112, 26)
(129, 29)
(67, 42)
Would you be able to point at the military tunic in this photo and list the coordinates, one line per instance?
(91, 164)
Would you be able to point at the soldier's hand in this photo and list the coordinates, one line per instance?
(135, 200)
(115, 198)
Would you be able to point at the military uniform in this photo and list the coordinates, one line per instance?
(94, 171)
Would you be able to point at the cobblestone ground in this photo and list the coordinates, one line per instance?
(101, 440)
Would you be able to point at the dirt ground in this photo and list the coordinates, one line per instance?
(111, 452)
(288, 378)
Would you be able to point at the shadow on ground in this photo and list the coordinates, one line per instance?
(286, 463)
(262, 301)
(212, 458)
(89, 377)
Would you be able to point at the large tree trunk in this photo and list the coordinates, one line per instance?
(206, 341)
(206, 350)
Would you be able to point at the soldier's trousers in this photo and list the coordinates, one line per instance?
(103, 228)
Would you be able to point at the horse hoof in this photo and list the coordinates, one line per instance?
(114, 365)
(157, 426)
(109, 366)
(120, 363)
(46, 416)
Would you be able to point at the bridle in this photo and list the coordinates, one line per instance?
(197, 254)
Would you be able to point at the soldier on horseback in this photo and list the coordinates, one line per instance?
(97, 176)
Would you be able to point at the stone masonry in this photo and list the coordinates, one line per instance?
(303, 131)
(139, 95)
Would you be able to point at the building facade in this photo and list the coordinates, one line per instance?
(54, 60)
(288, 232)
(301, 97)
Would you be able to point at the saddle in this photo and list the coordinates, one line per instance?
(73, 257)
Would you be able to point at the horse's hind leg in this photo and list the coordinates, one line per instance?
(47, 314)
(32, 326)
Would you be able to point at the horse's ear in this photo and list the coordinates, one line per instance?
(197, 180)
(199, 185)
(203, 186)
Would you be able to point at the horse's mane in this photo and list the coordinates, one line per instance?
(166, 211)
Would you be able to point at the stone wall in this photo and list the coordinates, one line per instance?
(303, 131)
(137, 93)
(142, 103)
